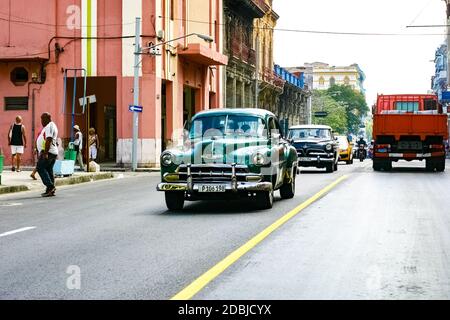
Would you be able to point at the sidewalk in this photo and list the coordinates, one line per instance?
(21, 181)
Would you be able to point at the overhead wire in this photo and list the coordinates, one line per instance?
(324, 32)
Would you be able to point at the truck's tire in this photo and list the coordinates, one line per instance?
(287, 190)
(429, 166)
(264, 200)
(387, 165)
(174, 200)
(376, 165)
(440, 165)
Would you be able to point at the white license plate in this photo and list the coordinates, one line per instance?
(220, 188)
(307, 159)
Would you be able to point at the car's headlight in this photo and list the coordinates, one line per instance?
(167, 159)
(259, 159)
(329, 147)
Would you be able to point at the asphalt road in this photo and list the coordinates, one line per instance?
(376, 235)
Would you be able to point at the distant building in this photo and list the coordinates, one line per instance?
(439, 80)
(322, 76)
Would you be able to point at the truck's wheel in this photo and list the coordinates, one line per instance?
(287, 190)
(174, 200)
(377, 165)
(429, 165)
(440, 165)
(387, 165)
(264, 200)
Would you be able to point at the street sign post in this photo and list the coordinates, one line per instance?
(137, 109)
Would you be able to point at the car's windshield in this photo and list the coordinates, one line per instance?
(309, 133)
(343, 142)
(227, 125)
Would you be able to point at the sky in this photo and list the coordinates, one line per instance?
(392, 64)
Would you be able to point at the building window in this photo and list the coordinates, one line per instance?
(19, 76)
(321, 81)
(347, 81)
(332, 81)
(16, 103)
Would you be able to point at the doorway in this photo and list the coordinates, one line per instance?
(189, 95)
(102, 114)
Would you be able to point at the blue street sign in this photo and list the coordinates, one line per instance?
(446, 96)
(136, 109)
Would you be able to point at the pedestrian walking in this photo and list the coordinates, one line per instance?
(48, 152)
(18, 141)
(93, 144)
(78, 143)
(36, 155)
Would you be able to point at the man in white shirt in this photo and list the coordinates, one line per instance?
(48, 152)
(78, 142)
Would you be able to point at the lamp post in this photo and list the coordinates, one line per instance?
(137, 62)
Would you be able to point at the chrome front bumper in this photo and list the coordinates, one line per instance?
(233, 185)
(238, 187)
(315, 159)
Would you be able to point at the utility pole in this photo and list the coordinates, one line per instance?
(257, 72)
(137, 51)
(447, 2)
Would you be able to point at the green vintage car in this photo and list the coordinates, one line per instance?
(230, 153)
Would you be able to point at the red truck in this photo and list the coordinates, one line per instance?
(409, 127)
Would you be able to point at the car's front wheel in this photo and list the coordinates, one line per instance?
(174, 200)
(287, 190)
(264, 200)
(330, 167)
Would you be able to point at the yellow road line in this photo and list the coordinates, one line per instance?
(196, 286)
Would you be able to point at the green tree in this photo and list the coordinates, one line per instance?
(355, 105)
(337, 116)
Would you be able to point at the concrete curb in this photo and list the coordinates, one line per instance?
(84, 179)
(61, 182)
(13, 189)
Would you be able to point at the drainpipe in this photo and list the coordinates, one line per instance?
(33, 113)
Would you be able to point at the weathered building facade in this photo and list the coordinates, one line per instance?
(46, 49)
(270, 85)
(292, 108)
(240, 48)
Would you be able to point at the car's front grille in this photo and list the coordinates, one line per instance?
(211, 173)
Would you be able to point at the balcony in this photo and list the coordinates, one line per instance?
(269, 76)
(242, 52)
(289, 77)
(258, 7)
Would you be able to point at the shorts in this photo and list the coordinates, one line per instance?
(93, 153)
(17, 150)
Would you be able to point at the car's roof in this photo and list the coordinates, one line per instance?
(256, 112)
(309, 126)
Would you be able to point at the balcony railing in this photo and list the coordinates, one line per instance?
(243, 52)
(271, 77)
(289, 77)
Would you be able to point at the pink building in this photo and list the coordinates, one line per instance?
(46, 46)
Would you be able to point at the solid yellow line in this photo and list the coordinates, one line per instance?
(196, 286)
